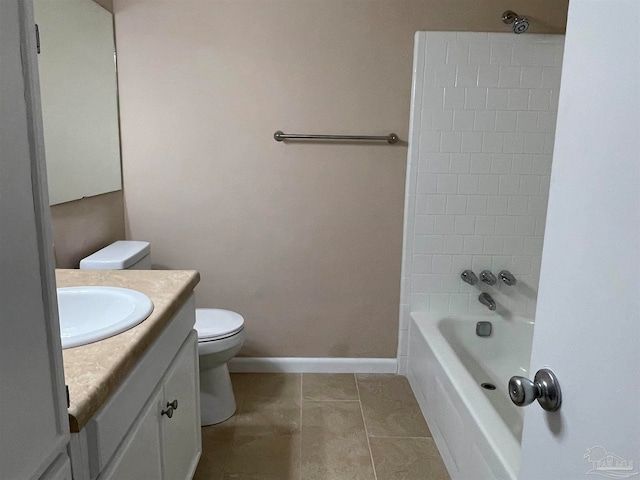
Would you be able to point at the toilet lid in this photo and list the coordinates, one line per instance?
(214, 323)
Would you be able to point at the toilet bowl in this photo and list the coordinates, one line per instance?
(220, 332)
(220, 336)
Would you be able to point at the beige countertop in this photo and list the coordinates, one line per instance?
(93, 372)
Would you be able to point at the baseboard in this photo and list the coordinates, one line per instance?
(313, 365)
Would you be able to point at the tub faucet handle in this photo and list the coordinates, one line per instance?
(487, 277)
(469, 277)
(507, 277)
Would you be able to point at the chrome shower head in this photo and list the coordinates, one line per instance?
(520, 24)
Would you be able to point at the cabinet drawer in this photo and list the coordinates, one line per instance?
(108, 428)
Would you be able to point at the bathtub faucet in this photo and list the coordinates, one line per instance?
(487, 277)
(507, 277)
(487, 301)
(469, 277)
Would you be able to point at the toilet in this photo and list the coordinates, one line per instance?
(220, 332)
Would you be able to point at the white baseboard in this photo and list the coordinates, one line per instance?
(313, 365)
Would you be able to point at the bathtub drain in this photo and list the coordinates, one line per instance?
(488, 386)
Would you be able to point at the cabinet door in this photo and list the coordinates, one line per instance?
(181, 443)
(139, 455)
(60, 470)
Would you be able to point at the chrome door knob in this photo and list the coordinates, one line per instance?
(544, 388)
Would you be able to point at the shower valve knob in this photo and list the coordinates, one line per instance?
(469, 277)
(487, 277)
(507, 277)
(544, 388)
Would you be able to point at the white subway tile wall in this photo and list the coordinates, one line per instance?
(483, 116)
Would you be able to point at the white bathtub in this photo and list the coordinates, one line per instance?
(477, 431)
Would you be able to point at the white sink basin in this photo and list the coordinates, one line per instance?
(89, 314)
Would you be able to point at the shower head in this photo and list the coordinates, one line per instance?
(520, 24)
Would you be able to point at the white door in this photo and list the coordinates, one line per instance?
(588, 317)
(34, 426)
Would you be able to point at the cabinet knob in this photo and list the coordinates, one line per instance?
(168, 412)
(171, 406)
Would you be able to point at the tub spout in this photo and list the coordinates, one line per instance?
(487, 301)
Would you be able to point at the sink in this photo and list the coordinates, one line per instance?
(89, 314)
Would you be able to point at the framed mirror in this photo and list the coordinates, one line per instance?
(78, 84)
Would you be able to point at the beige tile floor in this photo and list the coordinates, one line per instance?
(321, 427)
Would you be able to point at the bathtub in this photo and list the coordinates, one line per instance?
(477, 431)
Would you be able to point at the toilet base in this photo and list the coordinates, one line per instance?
(217, 402)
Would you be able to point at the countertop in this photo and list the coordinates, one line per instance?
(93, 372)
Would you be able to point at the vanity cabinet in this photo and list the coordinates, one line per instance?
(150, 427)
(160, 446)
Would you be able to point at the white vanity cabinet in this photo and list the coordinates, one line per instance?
(138, 434)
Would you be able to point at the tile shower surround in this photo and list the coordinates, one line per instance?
(483, 116)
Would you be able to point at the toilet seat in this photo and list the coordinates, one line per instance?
(216, 324)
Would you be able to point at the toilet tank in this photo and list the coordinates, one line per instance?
(120, 255)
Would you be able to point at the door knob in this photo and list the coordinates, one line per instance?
(544, 388)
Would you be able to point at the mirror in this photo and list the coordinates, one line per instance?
(79, 98)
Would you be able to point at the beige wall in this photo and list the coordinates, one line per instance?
(107, 4)
(304, 240)
(84, 226)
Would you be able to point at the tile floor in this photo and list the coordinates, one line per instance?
(321, 427)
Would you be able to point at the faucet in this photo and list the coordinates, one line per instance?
(487, 277)
(469, 277)
(507, 277)
(487, 301)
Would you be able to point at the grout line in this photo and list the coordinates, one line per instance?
(398, 436)
(366, 433)
(329, 400)
(300, 442)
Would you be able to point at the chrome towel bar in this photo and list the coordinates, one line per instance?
(280, 136)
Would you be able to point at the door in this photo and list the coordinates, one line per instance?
(588, 318)
(33, 414)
